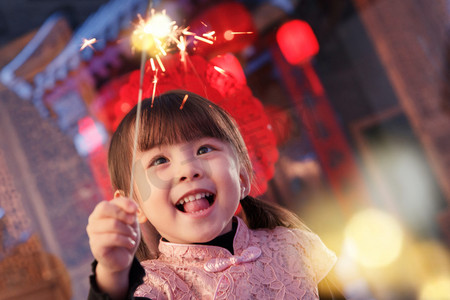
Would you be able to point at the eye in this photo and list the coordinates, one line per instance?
(158, 161)
(204, 149)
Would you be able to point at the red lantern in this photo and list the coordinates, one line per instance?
(297, 42)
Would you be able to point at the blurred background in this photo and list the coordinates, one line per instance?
(356, 93)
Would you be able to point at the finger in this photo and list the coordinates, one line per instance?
(126, 204)
(110, 209)
(129, 206)
(110, 240)
(111, 225)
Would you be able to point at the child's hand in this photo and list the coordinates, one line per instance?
(114, 235)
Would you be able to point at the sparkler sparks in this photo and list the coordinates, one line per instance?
(220, 70)
(160, 63)
(88, 43)
(155, 81)
(203, 39)
(241, 32)
(152, 63)
(209, 35)
(184, 101)
(229, 35)
(158, 35)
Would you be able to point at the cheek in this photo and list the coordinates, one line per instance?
(142, 187)
(148, 183)
(206, 166)
(159, 179)
(232, 170)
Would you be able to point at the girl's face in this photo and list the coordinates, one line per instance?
(191, 190)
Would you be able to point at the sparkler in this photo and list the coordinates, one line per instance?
(155, 36)
(137, 122)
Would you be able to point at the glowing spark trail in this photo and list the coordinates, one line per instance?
(186, 31)
(220, 70)
(158, 59)
(241, 32)
(209, 35)
(152, 63)
(203, 39)
(182, 47)
(229, 35)
(155, 81)
(184, 101)
(88, 43)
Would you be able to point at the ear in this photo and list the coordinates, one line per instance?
(245, 183)
(119, 193)
(141, 217)
(140, 214)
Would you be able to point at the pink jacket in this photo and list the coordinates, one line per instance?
(268, 264)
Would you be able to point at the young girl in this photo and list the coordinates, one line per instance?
(191, 172)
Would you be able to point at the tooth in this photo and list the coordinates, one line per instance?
(191, 198)
(181, 202)
(198, 196)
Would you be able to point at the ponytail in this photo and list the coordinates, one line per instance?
(148, 246)
(262, 214)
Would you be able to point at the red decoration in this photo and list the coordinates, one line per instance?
(222, 89)
(231, 22)
(297, 42)
(231, 67)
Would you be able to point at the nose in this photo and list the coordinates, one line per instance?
(189, 170)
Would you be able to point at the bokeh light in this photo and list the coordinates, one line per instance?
(374, 238)
(436, 289)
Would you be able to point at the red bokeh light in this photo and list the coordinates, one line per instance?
(297, 42)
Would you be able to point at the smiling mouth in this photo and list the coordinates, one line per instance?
(195, 202)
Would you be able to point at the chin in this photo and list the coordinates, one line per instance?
(206, 237)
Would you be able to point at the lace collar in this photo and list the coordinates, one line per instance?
(200, 253)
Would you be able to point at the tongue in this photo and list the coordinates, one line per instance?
(197, 205)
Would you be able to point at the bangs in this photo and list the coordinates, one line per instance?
(170, 121)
